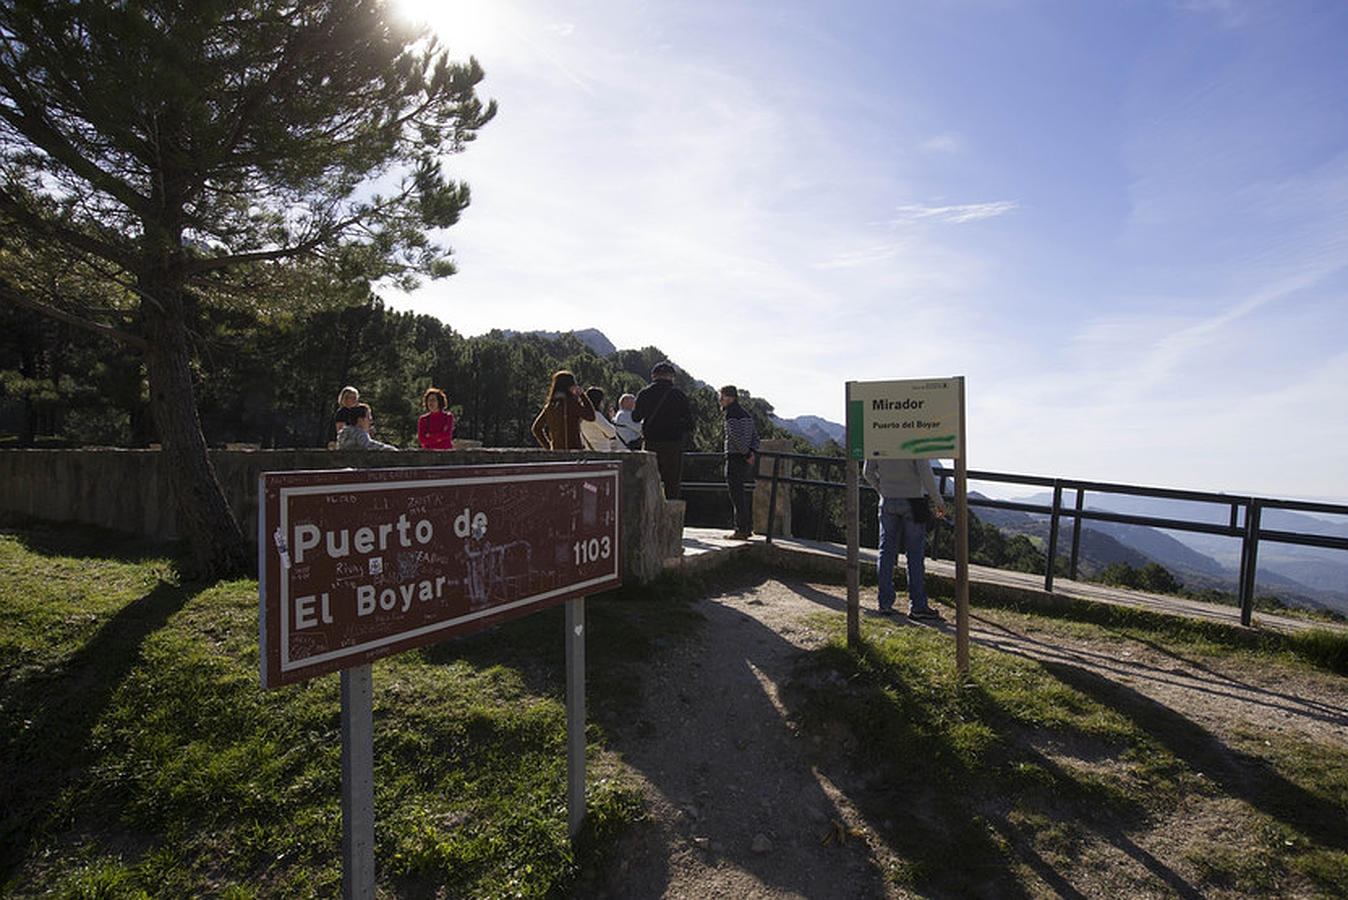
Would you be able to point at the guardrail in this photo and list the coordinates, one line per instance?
(1243, 515)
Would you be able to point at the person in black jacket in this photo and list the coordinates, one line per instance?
(741, 447)
(666, 421)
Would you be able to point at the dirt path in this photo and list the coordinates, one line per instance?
(739, 806)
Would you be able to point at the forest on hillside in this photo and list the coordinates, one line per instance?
(273, 382)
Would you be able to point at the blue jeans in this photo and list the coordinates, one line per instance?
(898, 530)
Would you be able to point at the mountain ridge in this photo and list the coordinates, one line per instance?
(1281, 569)
(1304, 574)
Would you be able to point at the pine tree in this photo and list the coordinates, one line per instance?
(197, 152)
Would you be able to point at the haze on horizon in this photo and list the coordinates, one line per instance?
(1125, 222)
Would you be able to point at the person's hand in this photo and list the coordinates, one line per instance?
(940, 510)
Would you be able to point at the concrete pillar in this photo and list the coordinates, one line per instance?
(763, 488)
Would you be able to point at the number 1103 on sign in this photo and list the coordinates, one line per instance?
(592, 550)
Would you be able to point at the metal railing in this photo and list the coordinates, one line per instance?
(1243, 515)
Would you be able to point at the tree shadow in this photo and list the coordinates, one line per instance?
(48, 717)
(69, 539)
(733, 708)
(733, 775)
(947, 811)
(1274, 700)
(1242, 775)
(1197, 677)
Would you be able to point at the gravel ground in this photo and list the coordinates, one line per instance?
(740, 805)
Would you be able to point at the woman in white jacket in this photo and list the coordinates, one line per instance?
(597, 434)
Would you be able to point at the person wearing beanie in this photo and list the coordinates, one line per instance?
(666, 420)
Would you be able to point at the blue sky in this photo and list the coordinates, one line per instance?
(1125, 222)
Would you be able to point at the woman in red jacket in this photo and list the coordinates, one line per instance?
(558, 424)
(435, 429)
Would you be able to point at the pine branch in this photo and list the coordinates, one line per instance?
(18, 298)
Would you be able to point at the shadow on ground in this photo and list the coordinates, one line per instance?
(52, 714)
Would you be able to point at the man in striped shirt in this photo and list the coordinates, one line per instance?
(741, 446)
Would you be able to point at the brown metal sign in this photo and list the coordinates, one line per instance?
(358, 564)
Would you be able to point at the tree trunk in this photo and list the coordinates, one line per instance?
(204, 515)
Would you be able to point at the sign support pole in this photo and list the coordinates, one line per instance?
(575, 716)
(358, 783)
(961, 548)
(851, 510)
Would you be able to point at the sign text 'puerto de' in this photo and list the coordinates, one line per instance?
(358, 564)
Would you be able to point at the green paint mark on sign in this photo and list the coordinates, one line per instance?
(928, 444)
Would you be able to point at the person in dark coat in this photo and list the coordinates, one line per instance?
(666, 420)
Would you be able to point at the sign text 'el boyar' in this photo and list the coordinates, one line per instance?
(359, 564)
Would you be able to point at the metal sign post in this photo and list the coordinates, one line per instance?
(358, 783)
(575, 716)
(852, 512)
(356, 565)
(961, 547)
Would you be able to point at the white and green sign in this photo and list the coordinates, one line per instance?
(914, 419)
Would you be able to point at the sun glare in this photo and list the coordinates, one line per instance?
(465, 27)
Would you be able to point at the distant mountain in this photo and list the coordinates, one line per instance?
(813, 429)
(1097, 549)
(1308, 576)
(590, 337)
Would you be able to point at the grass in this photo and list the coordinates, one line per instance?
(142, 758)
(1324, 648)
(1031, 773)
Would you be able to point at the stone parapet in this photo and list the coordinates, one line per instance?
(763, 487)
(127, 491)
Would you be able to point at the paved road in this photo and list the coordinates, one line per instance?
(706, 546)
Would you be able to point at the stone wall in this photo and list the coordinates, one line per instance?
(126, 490)
(763, 488)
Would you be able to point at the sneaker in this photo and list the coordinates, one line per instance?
(885, 611)
(739, 536)
(927, 614)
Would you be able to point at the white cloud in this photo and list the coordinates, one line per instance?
(1230, 13)
(943, 143)
(865, 256)
(954, 215)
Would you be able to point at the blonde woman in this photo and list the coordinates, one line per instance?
(347, 398)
